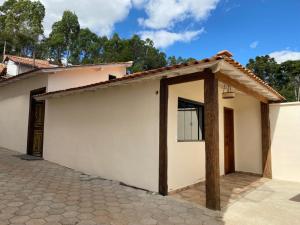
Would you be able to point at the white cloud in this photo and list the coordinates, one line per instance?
(164, 14)
(102, 15)
(285, 55)
(163, 38)
(254, 44)
(99, 15)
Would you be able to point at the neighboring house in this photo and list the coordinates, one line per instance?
(160, 130)
(17, 65)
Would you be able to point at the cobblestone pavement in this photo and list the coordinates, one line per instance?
(40, 192)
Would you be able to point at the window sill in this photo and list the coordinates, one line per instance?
(184, 141)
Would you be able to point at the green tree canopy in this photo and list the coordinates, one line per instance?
(291, 70)
(284, 77)
(63, 37)
(21, 24)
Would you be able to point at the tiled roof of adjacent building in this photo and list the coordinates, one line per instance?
(37, 63)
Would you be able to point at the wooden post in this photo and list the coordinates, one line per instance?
(163, 131)
(266, 140)
(211, 120)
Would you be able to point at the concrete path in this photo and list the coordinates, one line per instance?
(40, 192)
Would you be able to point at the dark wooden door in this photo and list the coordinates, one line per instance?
(229, 141)
(36, 125)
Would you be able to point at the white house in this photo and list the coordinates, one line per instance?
(159, 130)
(17, 65)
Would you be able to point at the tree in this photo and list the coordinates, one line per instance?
(21, 24)
(86, 48)
(291, 70)
(284, 77)
(143, 54)
(63, 37)
(267, 69)
(172, 60)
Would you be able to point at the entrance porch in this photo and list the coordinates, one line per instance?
(233, 187)
(205, 134)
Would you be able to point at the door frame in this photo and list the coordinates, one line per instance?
(233, 141)
(30, 133)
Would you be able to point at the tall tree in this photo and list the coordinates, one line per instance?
(284, 77)
(63, 37)
(21, 24)
(266, 68)
(86, 48)
(291, 70)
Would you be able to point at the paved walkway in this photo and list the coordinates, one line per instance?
(40, 192)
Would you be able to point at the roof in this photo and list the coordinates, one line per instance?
(221, 62)
(37, 63)
(40, 71)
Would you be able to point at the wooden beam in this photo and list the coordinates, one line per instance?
(187, 78)
(211, 121)
(163, 131)
(266, 141)
(241, 87)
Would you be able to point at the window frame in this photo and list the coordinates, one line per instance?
(199, 105)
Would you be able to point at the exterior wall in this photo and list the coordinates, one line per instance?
(83, 76)
(14, 69)
(285, 133)
(186, 160)
(112, 133)
(14, 112)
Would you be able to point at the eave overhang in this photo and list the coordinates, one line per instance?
(223, 66)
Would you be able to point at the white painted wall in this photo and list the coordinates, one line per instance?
(14, 69)
(285, 136)
(83, 76)
(14, 112)
(112, 133)
(186, 160)
(14, 98)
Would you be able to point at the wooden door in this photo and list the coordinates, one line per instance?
(36, 125)
(229, 141)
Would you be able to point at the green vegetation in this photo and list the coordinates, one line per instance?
(22, 30)
(284, 77)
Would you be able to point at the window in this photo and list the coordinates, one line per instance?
(111, 77)
(190, 120)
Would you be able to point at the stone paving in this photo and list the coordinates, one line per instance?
(40, 192)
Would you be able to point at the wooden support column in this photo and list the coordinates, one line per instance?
(163, 131)
(266, 140)
(211, 120)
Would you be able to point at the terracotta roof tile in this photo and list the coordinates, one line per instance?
(225, 55)
(37, 63)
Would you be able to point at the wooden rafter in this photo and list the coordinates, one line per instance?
(241, 87)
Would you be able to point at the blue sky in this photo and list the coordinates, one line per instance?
(247, 28)
(194, 28)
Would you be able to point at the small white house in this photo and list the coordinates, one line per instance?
(17, 65)
(159, 130)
